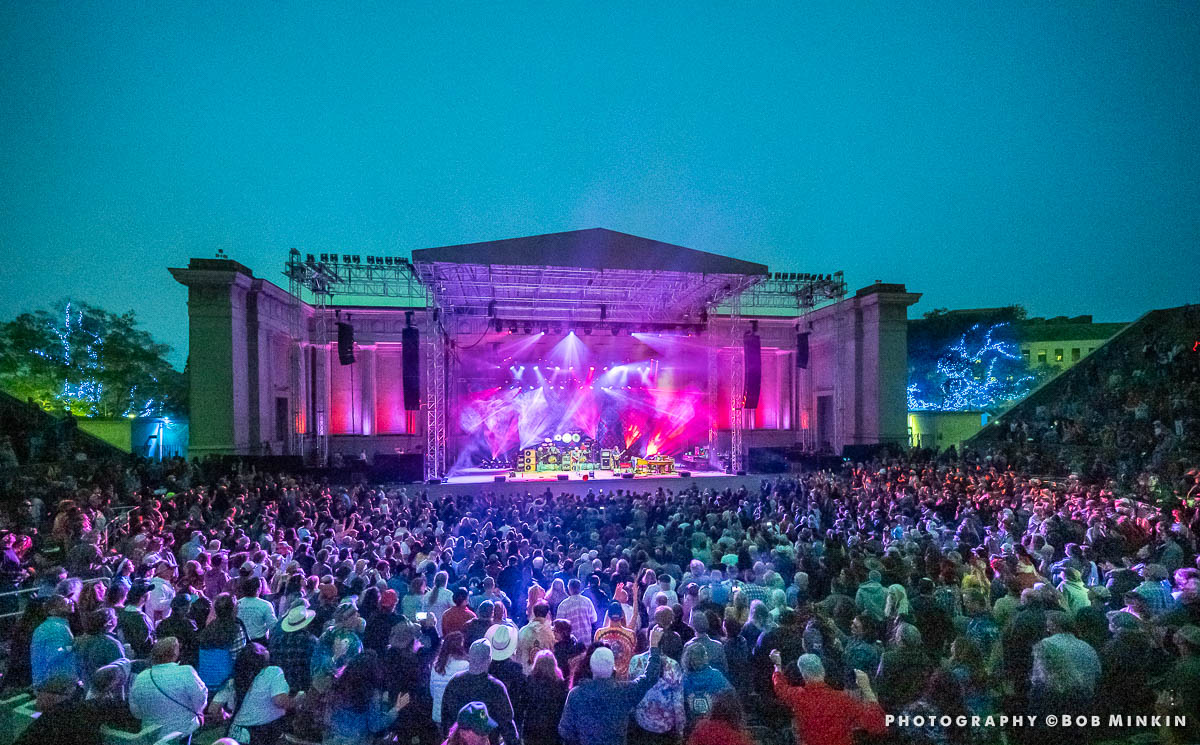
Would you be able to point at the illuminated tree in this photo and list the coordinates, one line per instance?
(86, 361)
(982, 371)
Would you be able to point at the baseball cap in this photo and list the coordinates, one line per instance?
(479, 656)
(474, 717)
(388, 599)
(344, 611)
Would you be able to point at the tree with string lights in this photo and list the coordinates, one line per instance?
(83, 360)
(982, 370)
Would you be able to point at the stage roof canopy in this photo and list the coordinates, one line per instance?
(581, 276)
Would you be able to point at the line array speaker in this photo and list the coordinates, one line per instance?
(752, 345)
(410, 358)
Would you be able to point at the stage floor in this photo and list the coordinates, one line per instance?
(488, 476)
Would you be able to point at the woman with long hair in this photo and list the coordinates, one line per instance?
(220, 642)
(98, 645)
(91, 598)
(256, 700)
(414, 602)
(191, 579)
(451, 660)
(438, 600)
(539, 726)
(359, 705)
(535, 595)
(557, 594)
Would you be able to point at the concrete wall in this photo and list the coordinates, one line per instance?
(140, 435)
(116, 432)
(941, 429)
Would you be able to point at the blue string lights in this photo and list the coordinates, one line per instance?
(78, 347)
(979, 372)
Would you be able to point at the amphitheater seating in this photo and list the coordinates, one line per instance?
(1130, 406)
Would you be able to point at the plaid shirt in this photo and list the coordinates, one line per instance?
(293, 652)
(1158, 598)
(754, 592)
(582, 614)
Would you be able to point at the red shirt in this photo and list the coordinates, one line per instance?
(712, 732)
(455, 619)
(825, 716)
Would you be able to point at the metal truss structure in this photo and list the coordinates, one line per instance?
(317, 280)
(436, 375)
(473, 295)
(782, 291)
(737, 389)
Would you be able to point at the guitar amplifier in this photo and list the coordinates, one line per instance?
(529, 460)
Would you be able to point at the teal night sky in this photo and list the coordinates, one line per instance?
(982, 153)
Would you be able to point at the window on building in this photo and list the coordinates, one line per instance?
(1025, 354)
(1042, 357)
(1091, 349)
(1058, 355)
(1075, 354)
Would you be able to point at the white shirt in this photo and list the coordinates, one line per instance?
(171, 696)
(158, 600)
(257, 615)
(258, 707)
(438, 682)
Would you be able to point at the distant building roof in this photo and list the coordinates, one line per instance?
(1035, 330)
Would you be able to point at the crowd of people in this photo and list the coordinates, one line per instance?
(908, 600)
(1129, 412)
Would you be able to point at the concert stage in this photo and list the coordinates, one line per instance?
(642, 484)
(650, 357)
(489, 475)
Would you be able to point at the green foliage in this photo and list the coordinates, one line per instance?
(84, 360)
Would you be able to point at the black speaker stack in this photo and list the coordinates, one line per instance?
(345, 343)
(802, 350)
(410, 358)
(752, 345)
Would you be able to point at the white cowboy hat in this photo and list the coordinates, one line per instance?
(503, 641)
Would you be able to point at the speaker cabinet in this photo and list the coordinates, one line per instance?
(752, 345)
